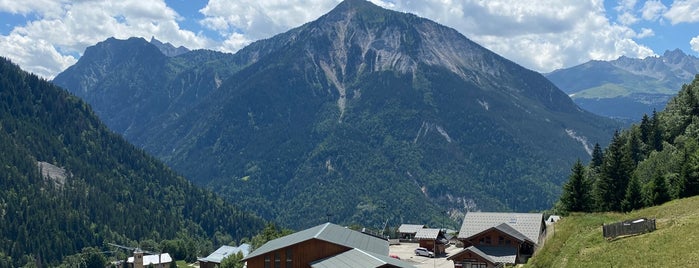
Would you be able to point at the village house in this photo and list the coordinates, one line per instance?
(408, 231)
(432, 239)
(325, 245)
(214, 259)
(491, 239)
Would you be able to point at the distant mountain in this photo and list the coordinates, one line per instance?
(168, 49)
(627, 88)
(67, 182)
(363, 115)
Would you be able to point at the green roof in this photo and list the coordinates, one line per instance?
(328, 232)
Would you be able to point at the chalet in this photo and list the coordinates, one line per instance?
(325, 245)
(408, 231)
(214, 259)
(432, 239)
(492, 239)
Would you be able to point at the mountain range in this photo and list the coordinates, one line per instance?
(364, 115)
(68, 183)
(627, 88)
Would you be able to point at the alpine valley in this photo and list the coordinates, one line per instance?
(363, 116)
(627, 88)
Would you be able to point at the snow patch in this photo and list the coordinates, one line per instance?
(484, 104)
(426, 127)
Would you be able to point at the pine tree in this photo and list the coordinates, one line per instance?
(576, 194)
(616, 168)
(657, 133)
(634, 197)
(597, 156)
(656, 191)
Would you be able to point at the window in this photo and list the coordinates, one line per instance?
(487, 240)
(267, 265)
(501, 240)
(289, 258)
(277, 260)
(507, 242)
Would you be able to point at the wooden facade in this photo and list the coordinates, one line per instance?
(297, 256)
(496, 238)
(468, 259)
(429, 244)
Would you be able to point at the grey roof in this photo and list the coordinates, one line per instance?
(225, 251)
(410, 228)
(330, 233)
(528, 224)
(427, 233)
(358, 258)
(492, 254)
(506, 228)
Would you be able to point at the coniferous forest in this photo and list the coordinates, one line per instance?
(109, 192)
(652, 162)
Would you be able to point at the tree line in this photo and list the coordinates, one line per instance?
(652, 162)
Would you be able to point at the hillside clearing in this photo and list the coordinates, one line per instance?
(578, 241)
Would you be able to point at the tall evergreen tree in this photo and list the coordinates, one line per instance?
(610, 187)
(597, 156)
(656, 192)
(576, 192)
(657, 133)
(633, 199)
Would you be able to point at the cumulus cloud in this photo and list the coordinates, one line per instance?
(695, 43)
(63, 29)
(539, 34)
(652, 10)
(686, 11)
(542, 35)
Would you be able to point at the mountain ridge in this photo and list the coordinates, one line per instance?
(640, 85)
(361, 107)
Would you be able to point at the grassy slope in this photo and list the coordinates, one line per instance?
(578, 242)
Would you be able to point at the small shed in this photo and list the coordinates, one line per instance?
(408, 231)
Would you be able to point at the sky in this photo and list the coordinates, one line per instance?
(47, 36)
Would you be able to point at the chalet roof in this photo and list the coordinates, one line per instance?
(153, 259)
(358, 258)
(427, 233)
(410, 228)
(491, 254)
(225, 251)
(330, 233)
(528, 224)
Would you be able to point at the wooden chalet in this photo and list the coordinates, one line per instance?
(408, 231)
(325, 245)
(492, 239)
(432, 239)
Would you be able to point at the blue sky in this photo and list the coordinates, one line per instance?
(47, 36)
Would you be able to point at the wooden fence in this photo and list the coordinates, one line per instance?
(631, 227)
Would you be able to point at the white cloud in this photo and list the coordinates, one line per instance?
(652, 10)
(645, 32)
(683, 11)
(63, 29)
(627, 18)
(539, 34)
(695, 43)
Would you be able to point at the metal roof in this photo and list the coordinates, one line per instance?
(491, 254)
(528, 224)
(358, 258)
(410, 228)
(330, 233)
(225, 251)
(427, 233)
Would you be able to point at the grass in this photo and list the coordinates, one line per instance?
(577, 240)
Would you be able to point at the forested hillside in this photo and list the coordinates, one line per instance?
(648, 164)
(68, 183)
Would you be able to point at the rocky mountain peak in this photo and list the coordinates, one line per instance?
(167, 48)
